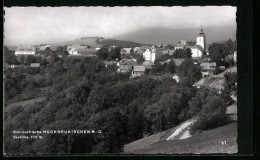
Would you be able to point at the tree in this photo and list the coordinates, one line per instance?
(157, 68)
(187, 52)
(178, 53)
(9, 56)
(114, 54)
(170, 67)
(140, 59)
(31, 59)
(212, 114)
(217, 52)
(102, 53)
(189, 70)
(230, 84)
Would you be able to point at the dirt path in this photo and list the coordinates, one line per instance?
(26, 102)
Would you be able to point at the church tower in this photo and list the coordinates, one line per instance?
(201, 39)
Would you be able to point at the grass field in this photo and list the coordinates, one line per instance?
(219, 140)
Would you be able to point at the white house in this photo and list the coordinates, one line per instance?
(152, 53)
(25, 50)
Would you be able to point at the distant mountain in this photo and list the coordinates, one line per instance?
(118, 43)
(172, 36)
(99, 42)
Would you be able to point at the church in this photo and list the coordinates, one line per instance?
(200, 47)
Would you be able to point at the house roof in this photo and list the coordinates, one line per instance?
(165, 51)
(139, 68)
(127, 50)
(42, 48)
(171, 52)
(109, 62)
(86, 50)
(69, 48)
(178, 61)
(163, 62)
(136, 48)
(53, 48)
(207, 65)
(145, 47)
(147, 63)
(183, 42)
(180, 45)
(35, 65)
(199, 60)
(25, 48)
(126, 62)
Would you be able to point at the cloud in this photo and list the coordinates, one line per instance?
(33, 25)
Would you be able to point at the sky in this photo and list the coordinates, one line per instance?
(39, 25)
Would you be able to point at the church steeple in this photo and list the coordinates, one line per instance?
(201, 31)
(201, 39)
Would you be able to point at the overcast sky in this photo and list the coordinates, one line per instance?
(35, 25)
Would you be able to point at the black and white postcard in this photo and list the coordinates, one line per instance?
(120, 80)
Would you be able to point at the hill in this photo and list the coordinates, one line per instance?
(119, 43)
(91, 41)
(172, 36)
(202, 142)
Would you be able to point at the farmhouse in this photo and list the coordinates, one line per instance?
(125, 51)
(25, 50)
(138, 71)
(207, 68)
(125, 65)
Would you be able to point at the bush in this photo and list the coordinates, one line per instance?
(212, 115)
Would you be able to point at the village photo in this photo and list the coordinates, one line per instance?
(120, 80)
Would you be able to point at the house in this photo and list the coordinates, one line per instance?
(25, 50)
(125, 65)
(207, 68)
(171, 52)
(34, 65)
(136, 48)
(85, 51)
(176, 78)
(72, 49)
(138, 71)
(148, 65)
(34, 68)
(201, 60)
(107, 63)
(235, 57)
(141, 50)
(152, 53)
(125, 51)
(165, 62)
(179, 46)
(53, 49)
(42, 48)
